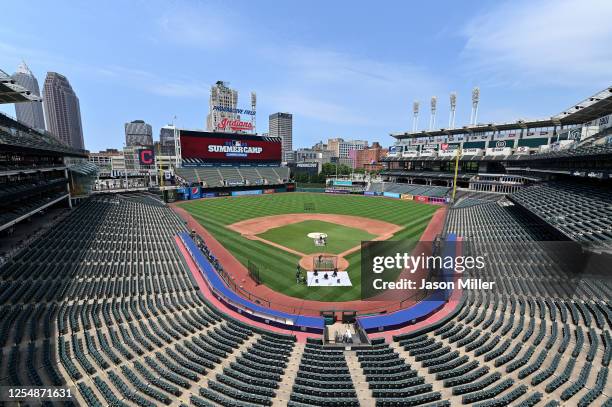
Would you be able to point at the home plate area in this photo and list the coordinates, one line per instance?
(318, 279)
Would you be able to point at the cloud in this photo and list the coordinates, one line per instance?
(332, 67)
(200, 25)
(558, 42)
(340, 88)
(153, 83)
(318, 109)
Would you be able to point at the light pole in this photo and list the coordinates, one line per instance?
(475, 100)
(453, 108)
(432, 119)
(415, 115)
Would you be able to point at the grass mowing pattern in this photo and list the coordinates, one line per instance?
(339, 238)
(277, 267)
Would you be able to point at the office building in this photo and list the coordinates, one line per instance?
(222, 104)
(62, 110)
(281, 125)
(138, 133)
(30, 113)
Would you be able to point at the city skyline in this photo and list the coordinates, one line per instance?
(337, 80)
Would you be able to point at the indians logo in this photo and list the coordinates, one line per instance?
(500, 144)
(235, 125)
(146, 156)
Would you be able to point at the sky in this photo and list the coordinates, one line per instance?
(348, 69)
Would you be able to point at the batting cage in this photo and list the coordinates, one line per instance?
(324, 262)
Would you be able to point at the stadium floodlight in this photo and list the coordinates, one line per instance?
(254, 109)
(475, 100)
(415, 115)
(432, 119)
(453, 109)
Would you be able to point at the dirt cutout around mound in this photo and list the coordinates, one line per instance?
(250, 228)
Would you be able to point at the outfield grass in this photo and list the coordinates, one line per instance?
(339, 238)
(277, 267)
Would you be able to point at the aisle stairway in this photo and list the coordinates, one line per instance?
(286, 384)
(364, 394)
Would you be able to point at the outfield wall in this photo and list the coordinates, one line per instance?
(189, 193)
(197, 192)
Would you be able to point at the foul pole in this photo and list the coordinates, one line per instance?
(456, 173)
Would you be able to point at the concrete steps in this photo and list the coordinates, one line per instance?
(364, 394)
(283, 394)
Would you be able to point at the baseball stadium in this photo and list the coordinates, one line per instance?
(228, 284)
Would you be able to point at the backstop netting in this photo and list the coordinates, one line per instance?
(254, 272)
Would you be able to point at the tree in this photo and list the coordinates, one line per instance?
(328, 169)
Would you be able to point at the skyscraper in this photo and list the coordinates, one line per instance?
(30, 113)
(222, 104)
(62, 110)
(281, 125)
(138, 133)
(166, 140)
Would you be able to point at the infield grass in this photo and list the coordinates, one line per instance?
(294, 236)
(277, 267)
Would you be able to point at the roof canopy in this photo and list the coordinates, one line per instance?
(10, 92)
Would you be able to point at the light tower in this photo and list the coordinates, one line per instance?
(475, 100)
(432, 119)
(415, 115)
(254, 109)
(453, 108)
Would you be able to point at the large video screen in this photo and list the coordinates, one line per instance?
(208, 147)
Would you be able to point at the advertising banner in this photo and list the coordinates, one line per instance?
(336, 191)
(268, 191)
(394, 150)
(343, 183)
(391, 194)
(370, 193)
(223, 193)
(409, 197)
(251, 192)
(208, 147)
(195, 192)
(209, 195)
(421, 198)
(437, 201)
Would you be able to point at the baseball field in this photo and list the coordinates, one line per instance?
(271, 231)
